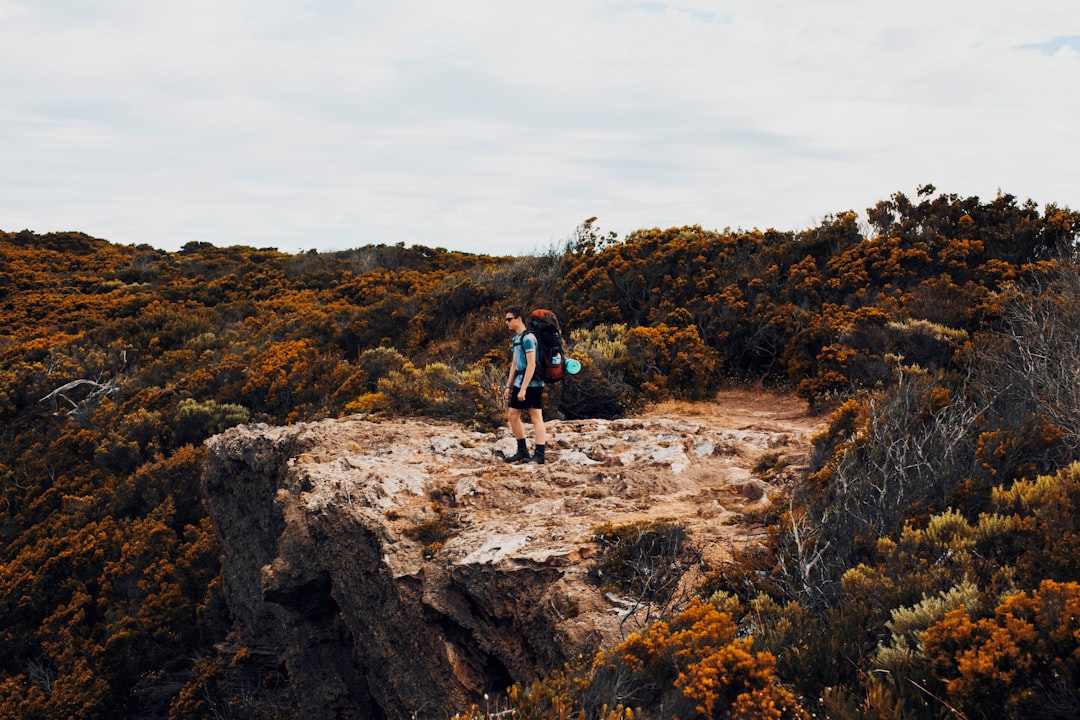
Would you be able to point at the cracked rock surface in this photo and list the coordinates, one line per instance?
(401, 569)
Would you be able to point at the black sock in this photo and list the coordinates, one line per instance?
(522, 447)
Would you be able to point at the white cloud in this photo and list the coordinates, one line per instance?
(490, 126)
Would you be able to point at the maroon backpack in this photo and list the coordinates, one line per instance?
(544, 326)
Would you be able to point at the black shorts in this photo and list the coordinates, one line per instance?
(534, 398)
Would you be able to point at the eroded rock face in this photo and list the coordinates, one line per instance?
(325, 562)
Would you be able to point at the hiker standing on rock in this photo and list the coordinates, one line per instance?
(524, 388)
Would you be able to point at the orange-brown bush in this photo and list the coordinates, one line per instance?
(665, 362)
(115, 360)
(692, 666)
(1021, 662)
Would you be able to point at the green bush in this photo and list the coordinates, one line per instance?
(196, 421)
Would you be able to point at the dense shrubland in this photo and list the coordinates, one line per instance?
(925, 568)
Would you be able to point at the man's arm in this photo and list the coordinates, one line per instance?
(510, 377)
(530, 370)
(513, 372)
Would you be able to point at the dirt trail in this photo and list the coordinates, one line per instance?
(770, 443)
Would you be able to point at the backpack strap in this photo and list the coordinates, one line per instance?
(519, 338)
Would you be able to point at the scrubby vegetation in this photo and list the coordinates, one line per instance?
(926, 567)
(692, 665)
(645, 560)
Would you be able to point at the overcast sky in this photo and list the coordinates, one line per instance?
(497, 127)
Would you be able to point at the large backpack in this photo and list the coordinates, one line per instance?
(544, 325)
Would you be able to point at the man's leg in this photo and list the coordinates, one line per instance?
(516, 425)
(518, 428)
(536, 415)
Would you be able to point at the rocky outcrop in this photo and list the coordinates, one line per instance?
(402, 569)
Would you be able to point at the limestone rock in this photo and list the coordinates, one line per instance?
(401, 569)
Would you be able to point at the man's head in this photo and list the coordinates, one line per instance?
(515, 318)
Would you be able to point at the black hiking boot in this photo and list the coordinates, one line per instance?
(517, 457)
(521, 454)
(538, 456)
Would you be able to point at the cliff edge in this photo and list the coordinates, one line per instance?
(401, 569)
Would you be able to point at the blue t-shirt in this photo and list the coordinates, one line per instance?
(523, 343)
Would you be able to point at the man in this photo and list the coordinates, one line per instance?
(524, 389)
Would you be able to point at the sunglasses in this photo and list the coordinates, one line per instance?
(509, 318)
